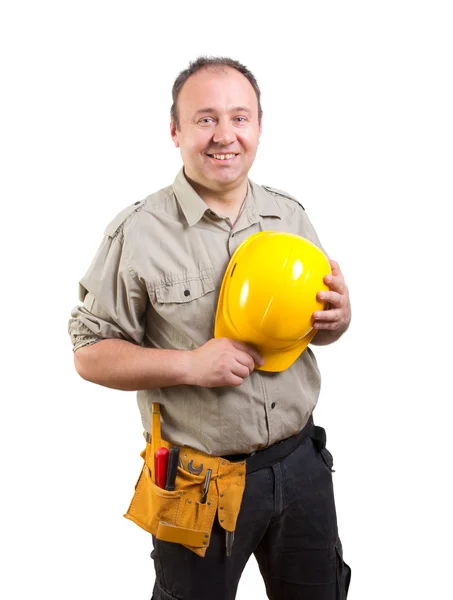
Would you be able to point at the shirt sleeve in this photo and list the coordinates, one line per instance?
(309, 232)
(114, 298)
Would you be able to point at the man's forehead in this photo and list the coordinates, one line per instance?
(207, 89)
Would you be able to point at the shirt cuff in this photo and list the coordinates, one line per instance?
(81, 335)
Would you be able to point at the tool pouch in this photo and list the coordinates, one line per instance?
(180, 516)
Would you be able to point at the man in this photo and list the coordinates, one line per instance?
(147, 322)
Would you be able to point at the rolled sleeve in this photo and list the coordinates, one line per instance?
(114, 299)
(79, 333)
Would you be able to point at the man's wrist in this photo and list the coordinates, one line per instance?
(185, 374)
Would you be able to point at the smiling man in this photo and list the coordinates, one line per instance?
(254, 474)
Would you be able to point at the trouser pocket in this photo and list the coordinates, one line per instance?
(319, 438)
(343, 574)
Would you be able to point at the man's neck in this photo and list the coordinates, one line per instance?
(226, 202)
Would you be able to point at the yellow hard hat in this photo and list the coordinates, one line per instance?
(268, 296)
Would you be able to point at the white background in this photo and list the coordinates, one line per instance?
(357, 100)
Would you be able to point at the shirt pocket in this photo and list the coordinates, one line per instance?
(188, 307)
(182, 292)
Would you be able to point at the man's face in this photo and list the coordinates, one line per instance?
(219, 129)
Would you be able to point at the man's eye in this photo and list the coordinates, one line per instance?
(241, 119)
(206, 120)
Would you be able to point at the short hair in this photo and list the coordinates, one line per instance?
(204, 62)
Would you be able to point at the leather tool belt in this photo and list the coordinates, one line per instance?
(205, 486)
(186, 515)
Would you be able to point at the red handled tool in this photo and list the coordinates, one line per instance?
(161, 465)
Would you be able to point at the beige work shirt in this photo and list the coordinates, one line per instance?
(155, 282)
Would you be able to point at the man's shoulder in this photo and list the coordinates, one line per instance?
(276, 192)
(121, 217)
(128, 213)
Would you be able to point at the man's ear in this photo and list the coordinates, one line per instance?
(174, 133)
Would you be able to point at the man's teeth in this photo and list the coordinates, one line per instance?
(223, 156)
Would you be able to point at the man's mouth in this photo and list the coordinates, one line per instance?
(223, 157)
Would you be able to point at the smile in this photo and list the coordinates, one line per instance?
(222, 156)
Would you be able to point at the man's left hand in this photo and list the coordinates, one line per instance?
(332, 322)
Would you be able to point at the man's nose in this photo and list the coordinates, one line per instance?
(224, 133)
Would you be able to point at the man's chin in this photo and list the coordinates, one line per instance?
(218, 180)
(226, 177)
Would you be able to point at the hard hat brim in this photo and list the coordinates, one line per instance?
(276, 360)
(279, 360)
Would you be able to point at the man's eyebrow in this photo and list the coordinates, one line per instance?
(241, 109)
(208, 109)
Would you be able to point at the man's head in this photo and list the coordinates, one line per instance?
(216, 122)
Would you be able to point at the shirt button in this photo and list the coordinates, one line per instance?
(186, 292)
(273, 405)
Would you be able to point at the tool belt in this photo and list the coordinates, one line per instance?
(205, 486)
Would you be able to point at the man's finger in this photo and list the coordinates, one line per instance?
(331, 326)
(258, 359)
(240, 370)
(335, 267)
(333, 298)
(245, 359)
(235, 381)
(327, 316)
(335, 283)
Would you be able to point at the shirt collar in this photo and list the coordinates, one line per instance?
(258, 201)
(190, 202)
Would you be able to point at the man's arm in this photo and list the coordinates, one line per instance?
(323, 338)
(121, 365)
(333, 322)
(125, 366)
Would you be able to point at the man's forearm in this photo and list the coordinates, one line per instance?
(325, 337)
(124, 366)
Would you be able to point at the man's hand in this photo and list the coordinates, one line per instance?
(334, 321)
(222, 362)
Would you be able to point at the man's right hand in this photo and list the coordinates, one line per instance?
(221, 362)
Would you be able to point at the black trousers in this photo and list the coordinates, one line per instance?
(287, 520)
